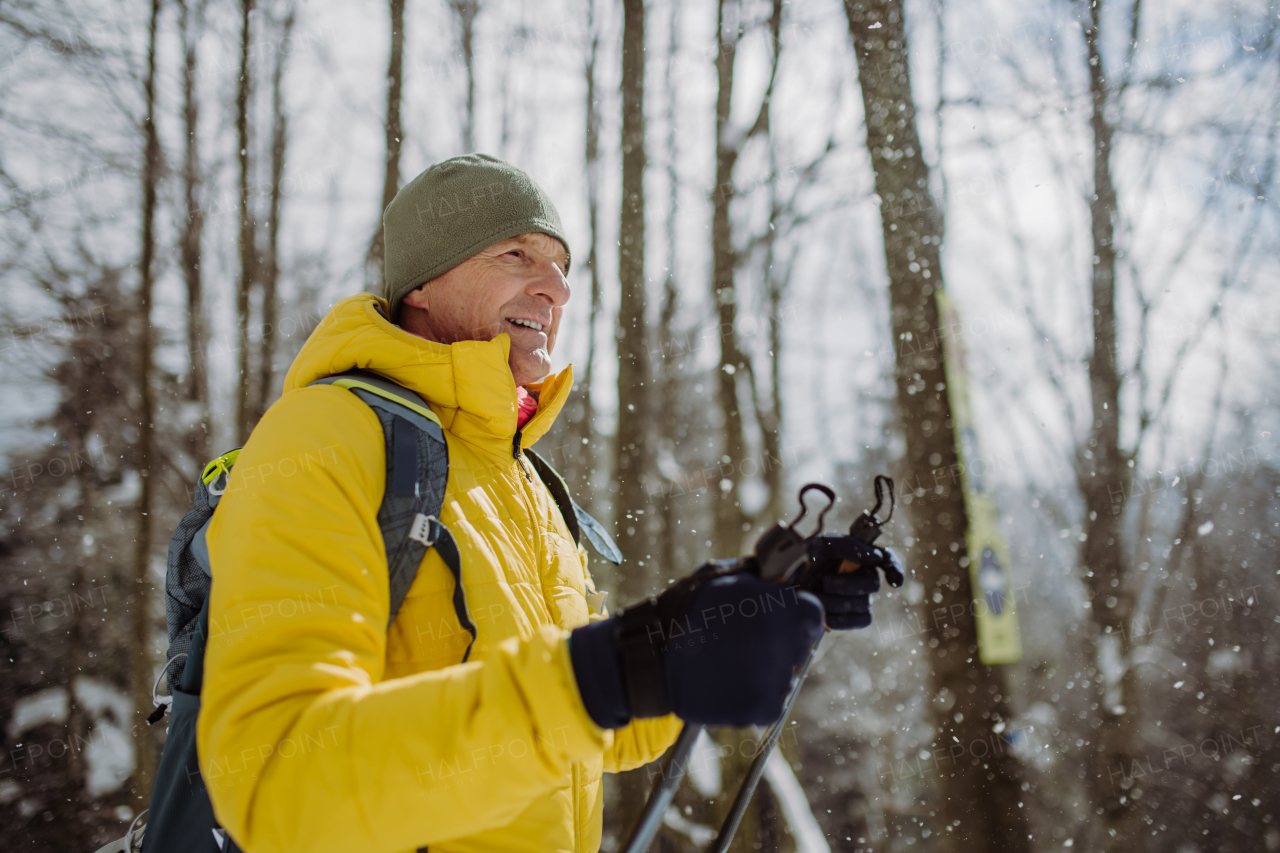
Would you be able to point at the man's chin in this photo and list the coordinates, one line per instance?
(529, 367)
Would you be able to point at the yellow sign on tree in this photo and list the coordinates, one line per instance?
(994, 609)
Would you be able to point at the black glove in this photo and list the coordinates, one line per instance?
(842, 574)
(717, 648)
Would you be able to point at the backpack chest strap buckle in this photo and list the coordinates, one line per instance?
(425, 529)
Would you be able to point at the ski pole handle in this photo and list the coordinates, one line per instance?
(866, 528)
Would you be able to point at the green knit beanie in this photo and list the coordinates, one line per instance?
(455, 209)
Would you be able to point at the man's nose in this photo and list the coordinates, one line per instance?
(550, 282)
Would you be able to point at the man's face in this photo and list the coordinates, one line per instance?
(517, 286)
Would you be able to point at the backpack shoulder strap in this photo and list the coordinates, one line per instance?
(417, 473)
(380, 392)
(575, 517)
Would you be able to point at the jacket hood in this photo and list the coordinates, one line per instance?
(468, 384)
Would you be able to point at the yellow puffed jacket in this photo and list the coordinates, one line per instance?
(323, 732)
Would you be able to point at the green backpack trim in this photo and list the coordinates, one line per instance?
(377, 385)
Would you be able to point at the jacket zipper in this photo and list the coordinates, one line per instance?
(519, 457)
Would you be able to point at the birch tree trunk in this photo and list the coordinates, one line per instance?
(979, 793)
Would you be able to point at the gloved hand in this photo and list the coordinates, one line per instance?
(842, 574)
(716, 648)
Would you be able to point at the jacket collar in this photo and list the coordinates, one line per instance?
(468, 384)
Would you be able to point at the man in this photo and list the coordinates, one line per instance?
(324, 730)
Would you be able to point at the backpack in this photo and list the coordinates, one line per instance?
(181, 814)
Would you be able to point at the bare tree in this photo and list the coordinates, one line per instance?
(584, 418)
(140, 601)
(1104, 476)
(734, 378)
(666, 372)
(634, 518)
(730, 519)
(393, 134)
(466, 11)
(190, 25)
(633, 453)
(1135, 549)
(94, 379)
(980, 800)
(271, 269)
(769, 413)
(248, 233)
(744, 393)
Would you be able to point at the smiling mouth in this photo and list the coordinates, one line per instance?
(525, 324)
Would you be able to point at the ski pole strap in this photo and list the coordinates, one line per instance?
(638, 637)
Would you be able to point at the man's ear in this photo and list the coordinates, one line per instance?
(417, 297)
(411, 313)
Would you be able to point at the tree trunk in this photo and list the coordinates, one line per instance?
(192, 231)
(769, 418)
(666, 373)
(140, 600)
(466, 11)
(248, 237)
(391, 177)
(980, 796)
(271, 272)
(77, 426)
(730, 521)
(633, 461)
(735, 367)
(584, 423)
(729, 517)
(633, 455)
(1104, 484)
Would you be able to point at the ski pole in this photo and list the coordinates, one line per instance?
(743, 798)
(664, 790)
(673, 769)
(777, 554)
(865, 528)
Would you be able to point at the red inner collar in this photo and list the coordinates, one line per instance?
(527, 403)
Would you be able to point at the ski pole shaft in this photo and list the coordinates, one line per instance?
(664, 789)
(743, 798)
